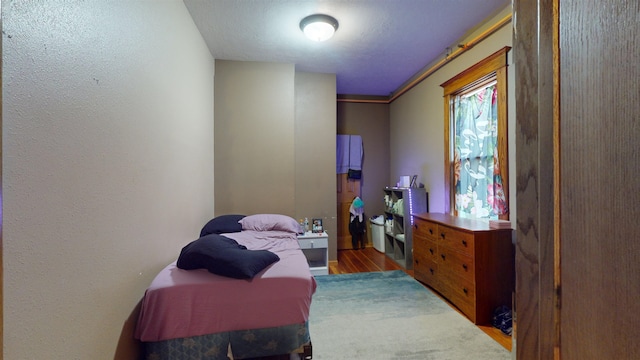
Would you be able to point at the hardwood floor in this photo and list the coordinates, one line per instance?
(369, 259)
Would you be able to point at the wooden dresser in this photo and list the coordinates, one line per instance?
(466, 261)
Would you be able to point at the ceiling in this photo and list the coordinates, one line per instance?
(379, 44)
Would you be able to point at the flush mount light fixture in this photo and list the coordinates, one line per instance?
(319, 27)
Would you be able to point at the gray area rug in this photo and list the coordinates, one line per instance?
(390, 315)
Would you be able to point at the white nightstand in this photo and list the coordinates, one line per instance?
(315, 247)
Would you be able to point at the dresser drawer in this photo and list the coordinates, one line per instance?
(464, 302)
(456, 263)
(472, 266)
(426, 229)
(425, 271)
(313, 243)
(425, 248)
(456, 240)
(461, 292)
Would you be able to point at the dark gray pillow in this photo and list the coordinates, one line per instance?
(223, 256)
(223, 224)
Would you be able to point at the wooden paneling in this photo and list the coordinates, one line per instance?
(599, 191)
(577, 154)
(534, 336)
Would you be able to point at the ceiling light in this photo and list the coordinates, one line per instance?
(319, 27)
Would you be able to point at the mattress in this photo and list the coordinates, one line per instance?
(187, 303)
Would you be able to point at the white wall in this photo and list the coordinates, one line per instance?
(315, 129)
(254, 144)
(108, 165)
(270, 123)
(417, 120)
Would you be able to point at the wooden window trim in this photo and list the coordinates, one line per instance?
(495, 65)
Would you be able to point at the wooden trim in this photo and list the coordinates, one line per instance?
(363, 99)
(495, 65)
(459, 51)
(557, 244)
(431, 69)
(448, 167)
(503, 138)
(483, 69)
(537, 304)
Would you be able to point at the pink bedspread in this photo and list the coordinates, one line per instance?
(184, 303)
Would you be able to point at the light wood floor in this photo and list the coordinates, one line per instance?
(369, 259)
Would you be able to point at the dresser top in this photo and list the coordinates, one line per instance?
(457, 222)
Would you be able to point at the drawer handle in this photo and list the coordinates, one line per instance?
(464, 290)
(442, 235)
(464, 242)
(431, 270)
(464, 266)
(443, 257)
(431, 231)
(431, 251)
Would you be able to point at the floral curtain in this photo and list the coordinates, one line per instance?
(477, 179)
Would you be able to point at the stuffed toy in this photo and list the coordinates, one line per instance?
(357, 226)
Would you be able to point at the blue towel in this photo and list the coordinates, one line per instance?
(349, 153)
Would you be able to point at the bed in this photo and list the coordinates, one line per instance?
(205, 307)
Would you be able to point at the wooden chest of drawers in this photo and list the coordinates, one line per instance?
(468, 263)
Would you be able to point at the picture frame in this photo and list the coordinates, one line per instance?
(316, 226)
(414, 182)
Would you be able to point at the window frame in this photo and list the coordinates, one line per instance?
(492, 67)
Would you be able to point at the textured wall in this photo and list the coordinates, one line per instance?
(254, 142)
(275, 141)
(108, 165)
(371, 121)
(315, 151)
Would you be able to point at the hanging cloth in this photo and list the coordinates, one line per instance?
(356, 225)
(357, 209)
(349, 154)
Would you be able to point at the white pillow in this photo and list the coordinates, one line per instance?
(270, 222)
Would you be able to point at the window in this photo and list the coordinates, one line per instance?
(476, 158)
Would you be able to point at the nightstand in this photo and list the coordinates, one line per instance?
(315, 247)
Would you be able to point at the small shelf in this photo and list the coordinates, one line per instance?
(315, 247)
(400, 203)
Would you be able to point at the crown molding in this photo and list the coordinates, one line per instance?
(425, 73)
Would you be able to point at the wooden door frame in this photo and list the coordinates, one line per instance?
(1, 213)
(537, 298)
